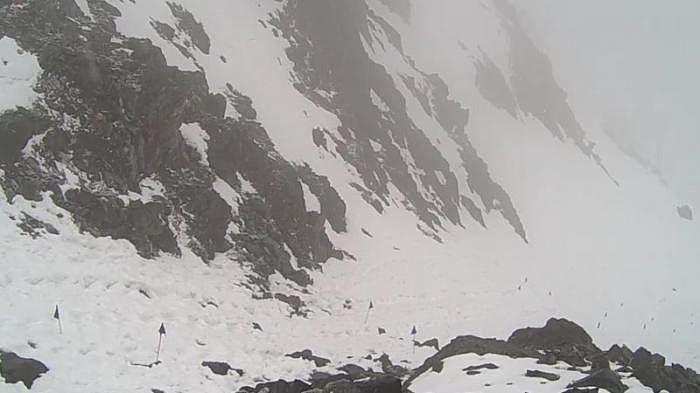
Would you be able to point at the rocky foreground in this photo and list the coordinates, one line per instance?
(560, 356)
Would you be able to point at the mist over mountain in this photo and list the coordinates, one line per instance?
(324, 195)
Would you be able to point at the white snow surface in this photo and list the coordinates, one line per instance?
(18, 73)
(594, 247)
(509, 377)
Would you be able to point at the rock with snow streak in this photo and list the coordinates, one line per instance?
(390, 368)
(560, 337)
(542, 374)
(603, 379)
(620, 354)
(279, 386)
(112, 114)
(221, 368)
(432, 343)
(309, 356)
(471, 344)
(651, 370)
(15, 369)
(367, 383)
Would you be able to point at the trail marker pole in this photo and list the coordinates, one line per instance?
(413, 333)
(57, 317)
(371, 306)
(161, 333)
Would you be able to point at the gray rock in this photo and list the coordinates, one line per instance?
(14, 369)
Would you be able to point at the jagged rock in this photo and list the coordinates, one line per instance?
(542, 374)
(17, 127)
(279, 386)
(600, 362)
(604, 379)
(125, 107)
(221, 368)
(374, 384)
(548, 358)
(309, 356)
(488, 366)
(391, 369)
(354, 371)
(471, 344)
(433, 343)
(294, 302)
(620, 354)
(651, 370)
(14, 369)
(331, 61)
(34, 227)
(563, 338)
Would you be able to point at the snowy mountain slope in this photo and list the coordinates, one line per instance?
(318, 154)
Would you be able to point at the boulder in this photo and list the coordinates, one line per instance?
(14, 369)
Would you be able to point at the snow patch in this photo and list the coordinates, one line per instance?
(197, 138)
(19, 71)
(310, 200)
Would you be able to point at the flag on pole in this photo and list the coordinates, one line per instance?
(371, 306)
(57, 317)
(413, 333)
(161, 333)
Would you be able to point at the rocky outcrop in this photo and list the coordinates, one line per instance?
(471, 344)
(221, 368)
(109, 120)
(15, 369)
(334, 70)
(651, 370)
(309, 356)
(563, 339)
(375, 383)
(603, 379)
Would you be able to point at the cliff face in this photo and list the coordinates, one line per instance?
(137, 149)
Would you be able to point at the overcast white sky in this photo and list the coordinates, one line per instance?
(636, 62)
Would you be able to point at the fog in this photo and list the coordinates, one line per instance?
(630, 66)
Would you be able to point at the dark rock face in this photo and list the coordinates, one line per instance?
(564, 339)
(110, 115)
(432, 343)
(35, 228)
(221, 368)
(487, 366)
(651, 370)
(604, 379)
(278, 387)
(620, 354)
(390, 368)
(335, 72)
(14, 369)
(471, 344)
(493, 86)
(542, 374)
(534, 86)
(309, 356)
(17, 127)
(375, 383)
(685, 212)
